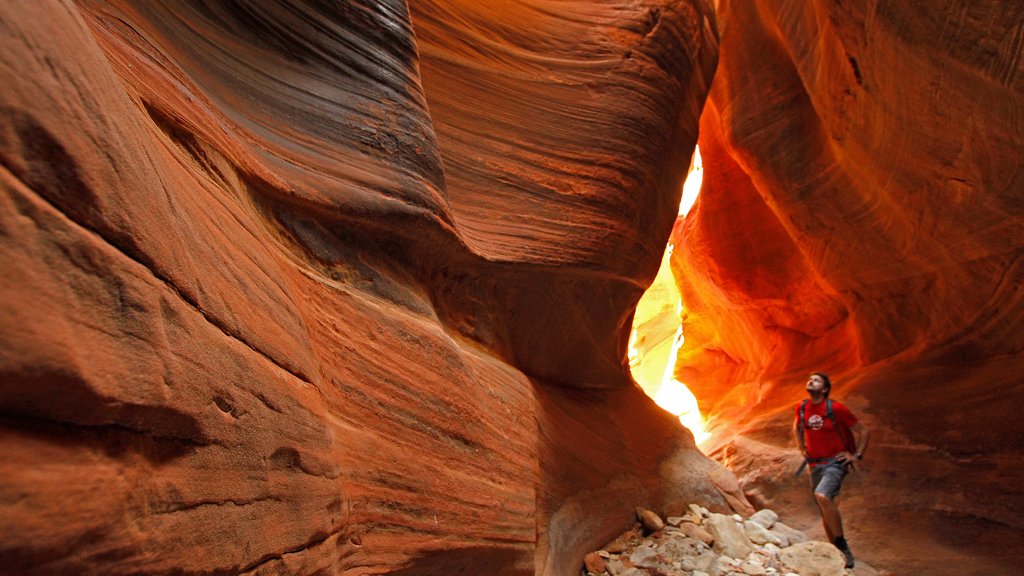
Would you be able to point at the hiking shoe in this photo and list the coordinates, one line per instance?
(849, 556)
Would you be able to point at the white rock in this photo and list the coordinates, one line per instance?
(679, 548)
(758, 546)
(783, 539)
(723, 566)
(693, 518)
(753, 569)
(813, 559)
(793, 535)
(644, 556)
(706, 562)
(766, 518)
(758, 534)
(730, 539)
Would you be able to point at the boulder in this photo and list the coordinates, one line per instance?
(650, 520)
(813, 559)
(695, 531)
(730, 539)
(766, 518)
(594, 563)
(787, 534)
(759, 535)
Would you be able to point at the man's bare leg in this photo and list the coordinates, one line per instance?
(830, 518)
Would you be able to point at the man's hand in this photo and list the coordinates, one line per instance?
(846, 459)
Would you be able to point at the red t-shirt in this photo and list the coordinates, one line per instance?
(820, 435)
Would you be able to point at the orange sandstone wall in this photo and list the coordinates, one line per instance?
(863, 213)
(861, 160)
(296, 288)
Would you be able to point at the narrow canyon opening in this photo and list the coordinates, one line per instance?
(657, 333)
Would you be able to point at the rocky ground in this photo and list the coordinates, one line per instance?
(704, 543)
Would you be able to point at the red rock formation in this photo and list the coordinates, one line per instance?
(297, 289)
(862, 214)
(275, 303)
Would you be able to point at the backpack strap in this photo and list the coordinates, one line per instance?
(800, 428)
(836, 425)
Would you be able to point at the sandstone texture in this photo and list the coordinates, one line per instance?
(863, 214)
(317, 288)
(294, 287)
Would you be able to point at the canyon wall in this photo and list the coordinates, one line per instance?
(290, 287)
(299, 287)
(863, 214)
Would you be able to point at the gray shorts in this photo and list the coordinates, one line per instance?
(827, 479)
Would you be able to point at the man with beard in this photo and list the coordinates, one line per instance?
(831, 441)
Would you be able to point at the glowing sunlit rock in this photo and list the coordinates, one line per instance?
(862, 214)
(657, 335)
(675, 397)
(691, 188)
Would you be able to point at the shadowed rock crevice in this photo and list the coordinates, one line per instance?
(114, 439)
(472, 560)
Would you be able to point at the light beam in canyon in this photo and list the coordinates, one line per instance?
(657, 335)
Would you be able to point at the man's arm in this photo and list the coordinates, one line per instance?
(799, 437)
(861, 435)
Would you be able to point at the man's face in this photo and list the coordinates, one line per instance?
(815, 385)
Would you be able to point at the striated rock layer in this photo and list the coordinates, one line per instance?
(290, 287)
(863, 214)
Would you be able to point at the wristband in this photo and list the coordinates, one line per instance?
(858, 456)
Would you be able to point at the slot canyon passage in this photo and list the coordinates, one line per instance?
(346, 287)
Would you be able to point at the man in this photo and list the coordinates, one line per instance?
(831, 440)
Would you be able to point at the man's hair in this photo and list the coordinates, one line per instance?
(825, 378)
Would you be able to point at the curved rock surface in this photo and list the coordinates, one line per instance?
(298, 287)
(863, 214)
(290, 287)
